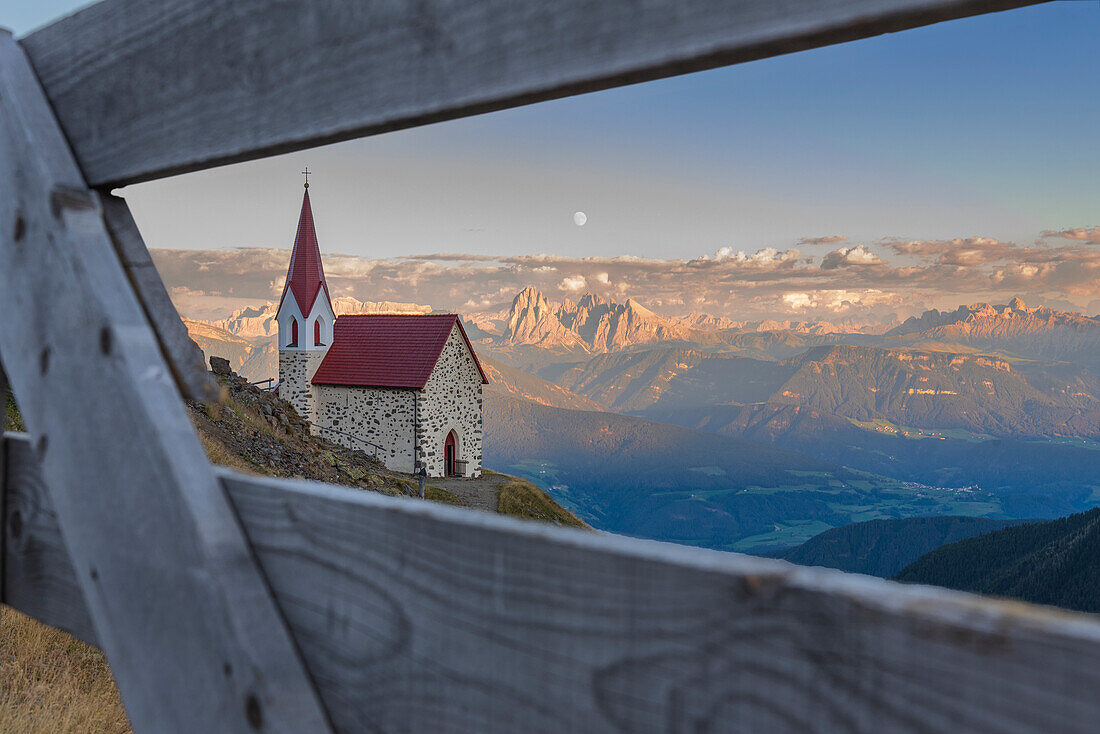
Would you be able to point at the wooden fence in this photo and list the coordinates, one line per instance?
(242, 604)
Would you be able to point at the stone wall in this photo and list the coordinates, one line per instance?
(383, 416)
(296, 369)
(451, 401)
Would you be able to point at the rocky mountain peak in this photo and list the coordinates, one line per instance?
(593, 323)
(590, 301)
(533, 320)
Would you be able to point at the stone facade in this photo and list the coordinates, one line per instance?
(296, 369)
(409, 425)
(451, 400)
(382, 416)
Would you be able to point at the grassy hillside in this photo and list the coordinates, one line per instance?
(638, 477)
(520, 498)
(884, 547)
(1055, 562)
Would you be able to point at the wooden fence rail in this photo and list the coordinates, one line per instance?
(413, 616)
(148, 88)
(228, 603)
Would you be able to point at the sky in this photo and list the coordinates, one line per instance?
(949, 164)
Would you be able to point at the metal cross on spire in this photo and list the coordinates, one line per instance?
(306, 174)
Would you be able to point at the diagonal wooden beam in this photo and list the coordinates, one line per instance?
(183, 356)
(177, 600)
(149, 88)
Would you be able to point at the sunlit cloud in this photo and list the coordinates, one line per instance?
(1090, 235)
(827, 240)
(573, 283)
(847, 256)
(969, 251)
(878, 282)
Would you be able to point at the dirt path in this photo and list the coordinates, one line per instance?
(481, 493)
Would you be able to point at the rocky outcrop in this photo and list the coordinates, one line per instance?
(1035, 332)
(534, 320)
(593, 324)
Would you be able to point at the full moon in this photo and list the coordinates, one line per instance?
(579, 218)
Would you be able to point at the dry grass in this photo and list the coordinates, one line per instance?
(438, 494)
(218, 454)
(12, 420)
(520, 498)
(51, 683)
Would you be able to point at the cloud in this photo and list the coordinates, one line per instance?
(827, 240)
(765, 257)
(847, 256)
(841, 301)
(182, 291)
(798, 301)
(969, 252)
(853, 282)
(1090, 235)
(573, 283)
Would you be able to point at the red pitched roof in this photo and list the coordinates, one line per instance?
(386, 350)
(306, 276)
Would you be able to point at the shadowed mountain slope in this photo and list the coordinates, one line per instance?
(1055, 562)
(655, 480)
(884, 547)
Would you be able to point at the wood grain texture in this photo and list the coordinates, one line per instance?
(148, 88)
(414, 617)
(38, 576)
(417, 617)
(177, 600)
(183, 356)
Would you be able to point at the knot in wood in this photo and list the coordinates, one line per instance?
(252, 712)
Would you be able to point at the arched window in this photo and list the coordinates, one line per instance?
(317, 332)
(293, 332)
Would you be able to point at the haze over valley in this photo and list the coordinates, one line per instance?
(759, 435)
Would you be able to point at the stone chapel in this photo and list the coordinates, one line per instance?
(405, 388)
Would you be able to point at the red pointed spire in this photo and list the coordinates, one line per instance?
(306, 276)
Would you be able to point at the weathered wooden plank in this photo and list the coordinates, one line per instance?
(182, 354)
(148, 88)
(418, 617)
(177, 600)
(38, 576)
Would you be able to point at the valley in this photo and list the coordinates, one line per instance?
(758, 436)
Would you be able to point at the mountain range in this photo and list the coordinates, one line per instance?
(657, 426)
(592, 324)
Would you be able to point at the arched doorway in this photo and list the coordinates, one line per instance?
(450, 454)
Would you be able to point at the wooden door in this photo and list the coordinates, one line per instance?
(449, 454)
